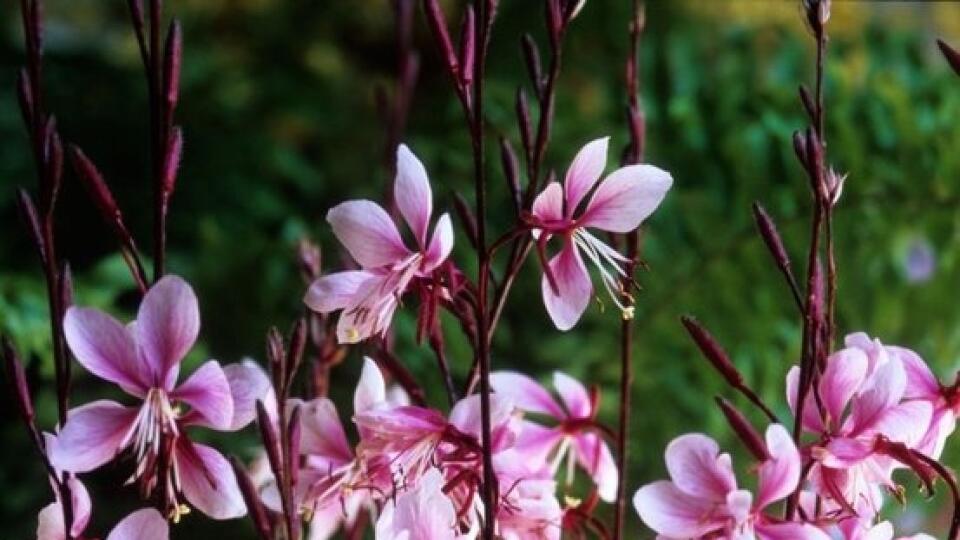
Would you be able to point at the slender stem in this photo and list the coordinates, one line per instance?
(157, 139)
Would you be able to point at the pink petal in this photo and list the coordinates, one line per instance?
(441, 244)
(844, 452)
(698, 469)
(845, 373)
(336, 291)
(739, 504)
(465, 415)
(322, 433)
(573, 284)
(93, 435)
(248, 383)
(371, 390)
(207, 392)
(526, 393)
(595, 457)
(584, 172)
(50, 523)
(779, 475)
(412, 193)
(535, 443)
(368, 233)
(82, 505)
(548, 206)
(145, 524)
(789, 531)
(573, 394)
(167, 326)
(811, 416)
(626, 198)
(207, 481)
(675, 514)
(105, 348)
(884, 388)
(921, 382)
(906, 422)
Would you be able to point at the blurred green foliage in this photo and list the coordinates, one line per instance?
(280, 125)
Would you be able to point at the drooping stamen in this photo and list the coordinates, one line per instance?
(154, 435)
(603, 257)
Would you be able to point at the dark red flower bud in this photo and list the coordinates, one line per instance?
(268, 434)
(744, 429)
(950, 54)
(171, 161)
(19, 379)
(468, 45)
(807, 101)
(511, 172)
(531, 56)
(523, 121)
(771, 237)
(28, 213)
(712, 351)
(467, 218)
(172, 60)
(438, 24)
(251, 496)
(25, 97)
(293, 438)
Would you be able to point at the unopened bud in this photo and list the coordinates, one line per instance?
(468, 45)
(712, 351)
(511, 172)
(953, 58)
(438, 24)
(172, 60)
(744, 429)
(19, 378)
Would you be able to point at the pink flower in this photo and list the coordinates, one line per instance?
(529, 509)
(368, 297)
(702, 499)
(575, 436)
(857, 529)
(50, 525)
(861, 393)
(143, 358)
(422, 513)
(618, 205)
(145, 524)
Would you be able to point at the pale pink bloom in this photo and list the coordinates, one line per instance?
(702, 500)
(529, 509)
(144, 358)
(618, 205)
(421, 513)
(574, 436)
(368, 297)
(858, 529)
(861, 393)
(145, 524)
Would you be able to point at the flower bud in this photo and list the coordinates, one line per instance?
(468, 46)
(531, 57)
(511, 172)
(523, 121)
(438, 24)
(19, 378)
(171, 161)
(251, 496)
(744, 429)
(172, 60)
(466, 218)
(771, 237)
(950, 54)
(712, 351)
(28, 213)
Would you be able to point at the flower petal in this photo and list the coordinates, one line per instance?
(50, 523)
(335, 291)
(884, 388)
(168, 322)
(906, 422)
(789, 531)
(675, 514)
(145, 524)
(584, 172)
(626, 198)
(93, 435)
(411, 191)
(371, 390)
(779, 475)
(574, 395)
(207, 392)
(525, 393)
(595, 457)
(207, 481)
(574, 287)
(368, 233)
(845, 373)
(322, 433)
(698, 469)
(441, 244)
(548, 206)
(248, 383)
(921, 382)
(811, 417)
(104, 347)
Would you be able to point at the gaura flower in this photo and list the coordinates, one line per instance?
(574, 437)
(368, 297)
(144, 358)
(857, 529)
(145, 524)
(422, 513)
(529, 509)
(922, 385)
(618, 205)
(861, 392)
(702, 499)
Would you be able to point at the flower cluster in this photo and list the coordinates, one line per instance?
(874, 409)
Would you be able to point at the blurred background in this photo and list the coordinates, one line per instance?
(280, 124)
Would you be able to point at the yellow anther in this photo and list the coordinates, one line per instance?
(571, 501)
(353, 334)
(627, 313)
(178, 512)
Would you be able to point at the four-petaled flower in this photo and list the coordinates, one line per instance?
(618, 205)
(368, 297)
(143, 358)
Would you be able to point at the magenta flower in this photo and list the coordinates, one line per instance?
(422, 513)
(861, 391)
(574, 436)
(618, 205)
(368, 297)
(702, 498)
(143, 358)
